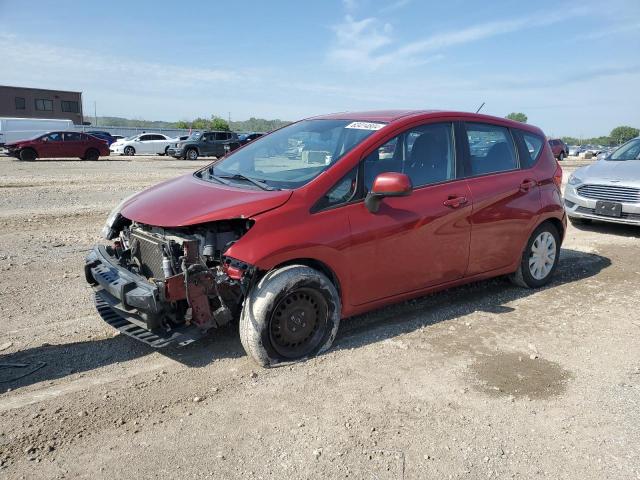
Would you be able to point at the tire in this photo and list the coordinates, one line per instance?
(287, 304)
(91, 155)
(579, 221)
(166, 150)
(28, 155)
(129, 151)
(532, 273)
(191, 154)
(561, 156)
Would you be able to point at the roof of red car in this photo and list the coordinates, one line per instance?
(389, 116)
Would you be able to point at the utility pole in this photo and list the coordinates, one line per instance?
(95, 113)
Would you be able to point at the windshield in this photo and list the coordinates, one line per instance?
(194, 136)
(294, 155)
(628, 151)
(132, 137)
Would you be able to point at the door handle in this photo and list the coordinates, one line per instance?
(455, 201)
(527, 185)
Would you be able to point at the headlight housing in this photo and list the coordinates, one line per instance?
(573, 180)
(108, 231)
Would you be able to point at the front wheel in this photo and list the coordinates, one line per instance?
(192, 154)
(292, 313)
(27, 155)
(539, 259)
(129, 151)
(561, 157)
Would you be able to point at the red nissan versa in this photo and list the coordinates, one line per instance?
(327, 218)
(59, 145)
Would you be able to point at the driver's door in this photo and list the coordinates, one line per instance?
(50, 145)
(416, 241)
(144, 144)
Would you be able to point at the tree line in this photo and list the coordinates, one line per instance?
(212, 123)
(617, 136)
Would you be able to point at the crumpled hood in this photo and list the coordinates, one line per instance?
(626, 170)
(187, 200)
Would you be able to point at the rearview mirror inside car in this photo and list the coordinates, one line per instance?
(388, 184)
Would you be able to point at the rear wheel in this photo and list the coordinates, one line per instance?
(91, 155)
(539, 259)
(130, 151)
(561, 157)
(291, 314)
(192, 154)
(28, 155)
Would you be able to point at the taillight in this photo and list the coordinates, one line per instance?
(557, 176)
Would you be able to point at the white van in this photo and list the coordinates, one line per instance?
(14, 129)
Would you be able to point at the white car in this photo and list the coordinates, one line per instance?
(144, 143)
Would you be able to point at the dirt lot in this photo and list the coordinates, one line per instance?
(483, 381)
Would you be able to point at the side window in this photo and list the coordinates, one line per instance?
(44, 104)
(54, 137)
(532, 146)
(158, 137)
(145, 138)
(424, 153)
(72, 137)
(491, 149)
(341, 192)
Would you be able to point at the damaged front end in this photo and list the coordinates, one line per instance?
(168, 285)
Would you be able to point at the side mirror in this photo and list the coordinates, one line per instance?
(388, 184)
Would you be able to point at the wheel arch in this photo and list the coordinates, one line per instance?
(560, 227)
(316, 265)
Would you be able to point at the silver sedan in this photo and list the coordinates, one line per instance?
(607, 190)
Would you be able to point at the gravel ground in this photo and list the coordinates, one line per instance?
(482, 381)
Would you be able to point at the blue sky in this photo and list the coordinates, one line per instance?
(572, 66)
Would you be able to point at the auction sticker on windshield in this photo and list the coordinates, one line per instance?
(365, 125)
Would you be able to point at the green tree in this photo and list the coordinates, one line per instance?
(623, 133)
(518, 117)
(200, 124)
(182, 124)
(218, 123)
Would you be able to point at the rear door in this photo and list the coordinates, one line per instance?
(72, 144)
(416, 241)
(505, 195)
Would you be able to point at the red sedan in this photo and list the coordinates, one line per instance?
(59, 145)
(327, 218)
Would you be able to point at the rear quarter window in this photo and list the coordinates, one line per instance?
(530, 148)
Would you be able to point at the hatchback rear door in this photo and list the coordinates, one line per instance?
(505, 194)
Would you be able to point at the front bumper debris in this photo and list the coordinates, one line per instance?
(133, 304)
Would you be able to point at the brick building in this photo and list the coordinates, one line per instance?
(25, 102)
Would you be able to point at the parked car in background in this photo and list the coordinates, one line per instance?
(14, 129)
(106, 136)
(144, 143)
(559, 148)
(289, 247)
(248, 137)
(118, 137)
(205, 144)
(574, 150)
(607, 190)
(59, 145)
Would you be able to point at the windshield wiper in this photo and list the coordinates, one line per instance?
(238, 176)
